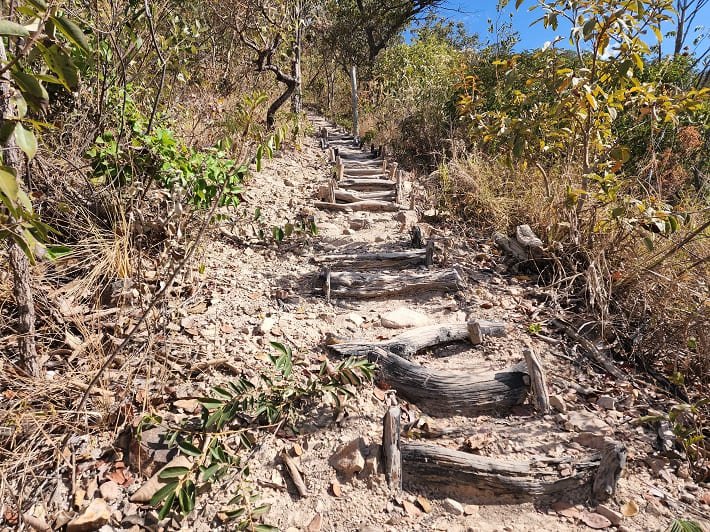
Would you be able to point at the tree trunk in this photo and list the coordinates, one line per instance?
(274, 107)
(353, 87)
(19, 264)
(297, 97)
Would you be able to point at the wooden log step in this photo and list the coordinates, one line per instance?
(492, 480)
(351, 197)
(412, 341)
(442, 393)
(391, 259)
(372, 172)
(357, 285)
(368, 184)
(359, 156)
(365, 205)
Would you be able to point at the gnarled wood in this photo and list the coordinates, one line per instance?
(358, 285)
(365, 205)
(392, 259)
(351, 197)
(449, 393)
(390, 448)
(538, 381)
(613, 462)
(367, 184)
(414, 340)
(491, 479)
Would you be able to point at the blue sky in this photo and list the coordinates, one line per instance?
(475, 15)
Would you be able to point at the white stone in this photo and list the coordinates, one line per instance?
(404, 317)
(355, 318)
(607, 402)
(266, 325)
(558, 403)
(453, 507)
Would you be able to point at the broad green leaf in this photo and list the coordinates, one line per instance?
(26, 140)
(173, 472)
(33, 91)
(9, 28)
(61, 64)
(166, 506)
(8, 185)
(39, 4)
(72, 32)
(209, 472)
(189, 449)
(168, 489)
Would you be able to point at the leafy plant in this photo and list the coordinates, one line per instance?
(234, 417)
(683, 525)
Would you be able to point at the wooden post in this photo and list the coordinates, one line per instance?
(326, 285)
(399, 191)
(331, 155)
(417, 238)
(331, 191)
(393, 170)
(353, 87)
(429, 257)
(612, 464)
(537, 380)
(340, 169)
(390, 448)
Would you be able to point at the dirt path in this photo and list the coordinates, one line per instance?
(252, 294)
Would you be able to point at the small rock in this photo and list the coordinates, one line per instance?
(470, 509)
(583, 421)
(355, 318)
(594, 520)
(558, 403)
(406, 218)
(315, 524)
(289, 183)
(266, 325)
(96, 515)
(348, 459)
(611, 515)
(607, 402)
(403, 317)
(371, 466)
(424, 503)
(348, 231)
(705, 498)
(411, 509)
(687, 498)
(110, 491)
(336, 488)
(453, 507)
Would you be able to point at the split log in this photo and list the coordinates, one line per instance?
(393, 170)
(443, 393)
(367, 205)
(491, 480)
(412, 341)
(399, 187)
(359, 172)
(538, 381)
(390, 448)
(385, 260)
(357, 285)
(350, 197)
(613, 462)
(368, 184)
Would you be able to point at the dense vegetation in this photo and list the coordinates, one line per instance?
(128, 127)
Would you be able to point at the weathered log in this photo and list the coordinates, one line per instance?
(538, 381)
(392, 170)
(417, 238)
(490, 479)
(386, 260)
(390, 448)
(367, 184)
(525, 246)
(358, 285)
(449, 393)
(367, 205)
(399, 187)
(412, 341)
(350, 197)
(359, 172)
(429, 253)
(613, 462)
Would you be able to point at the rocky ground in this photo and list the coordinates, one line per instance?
(250, 293)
